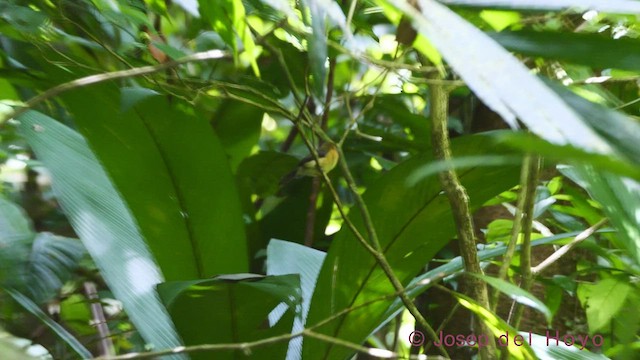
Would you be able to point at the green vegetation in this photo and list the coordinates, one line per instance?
(487, 191)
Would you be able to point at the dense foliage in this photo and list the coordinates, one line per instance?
(146, 202)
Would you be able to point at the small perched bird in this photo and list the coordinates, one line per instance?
(328, 156)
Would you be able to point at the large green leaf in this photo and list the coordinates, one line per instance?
(619, 198)
(619, 130)
(547, 348)
(528, 143)
(595, 50)
(482, 63)
(612, 6)
(103, 222)
(189, 211)
(413, 221)
(518, 295)
(603, 300)
(238, 125)
(232, 309)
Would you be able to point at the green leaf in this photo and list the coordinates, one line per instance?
(75, 312)
(260, 174)
(421, 225)
(317, 47)
(612, 6)
(504, 333)
(238, 127)
(232, 310)
(282, 5)
(603, 300)
(619, 197)
(546, 348)
(290, 258)
(57, 329)
(517, 294)
(189, 213)
(37, 264)
(14, 222)
(619, 130)
(15, 237)
(228, 19)
(287, 219)
(52, 261)
(103, 222)
(596, 50)
(625, 326)
(520, 95)
(320, 11)
(528, 143)
(190, 6)
(455, 265)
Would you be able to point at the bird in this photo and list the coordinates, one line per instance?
(328, 159)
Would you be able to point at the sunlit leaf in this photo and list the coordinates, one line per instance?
(483, 64)
(603, 300)
(518, 295)
(594, 50)
(290, 258)
(232, 309)
(613, 6)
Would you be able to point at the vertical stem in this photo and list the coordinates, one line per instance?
(526, 197)
(459, 200)
(105, 345)
(527, 221)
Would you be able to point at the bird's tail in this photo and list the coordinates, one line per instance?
(286, 180)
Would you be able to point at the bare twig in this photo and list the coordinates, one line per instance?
(566, 248)
(247, 346)
(105, 344)
(108, 76)
(315, 184)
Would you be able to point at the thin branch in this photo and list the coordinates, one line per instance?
(247, 346)
(105, 344)
(98, 78)
(526, 197)
(566, 248)
(372, 246)
(315, 184)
